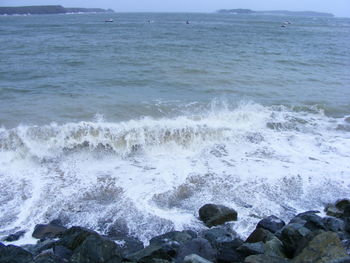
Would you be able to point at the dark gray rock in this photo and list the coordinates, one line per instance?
(225, 241)
(74, 237)
(346, 245)
(271, 223)
(331, 210)
(153, 253)
(63, 253)
(15, 236)
(265, 259)
(48, 257)
(96, 249)
(213, 215)
(291, 235)
(341, 204)
(40, 246)
(260, 235)
(195, 259)
(333, 224)
(177, 236)
(47, 231)
(322, 248)
(312, 221)
(248, 249)
(14, 254)
(274, 247)
(129, 245)
(198, 246)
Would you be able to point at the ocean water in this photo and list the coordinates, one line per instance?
(134, 125)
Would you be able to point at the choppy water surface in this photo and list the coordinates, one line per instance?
(136, 125)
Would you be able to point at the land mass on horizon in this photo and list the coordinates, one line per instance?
(49, 9)
(274, 12)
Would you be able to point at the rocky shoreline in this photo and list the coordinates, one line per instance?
(308, 237)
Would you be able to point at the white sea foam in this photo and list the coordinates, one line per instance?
(152, 175)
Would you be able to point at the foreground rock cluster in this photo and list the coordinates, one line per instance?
(308, 237)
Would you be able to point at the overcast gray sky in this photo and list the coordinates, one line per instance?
(337, 7)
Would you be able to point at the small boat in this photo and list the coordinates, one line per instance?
(109, 20)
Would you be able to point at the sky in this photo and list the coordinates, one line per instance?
(338, 7)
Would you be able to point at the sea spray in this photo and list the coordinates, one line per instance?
(149, 175)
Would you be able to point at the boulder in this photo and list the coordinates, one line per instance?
(129, 245)
(331, 210)
(248, 249)
(40, 246)
(213, 215)
(177, 236)
(225, 241)
(291, 235)
(271, 223)
(260, 235)
(322, 248)
(333, 224)
(62, 253)
(47, 231)
(341, 204)
(47, 257)
(274, 247)
(153, 253)
(96, 249)
(309, 220)
(74, 237)
(193, 258)
(15, 236)
(14, 254)
(198, 246)
(265, 259)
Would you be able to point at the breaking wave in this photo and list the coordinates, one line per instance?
(150, 175)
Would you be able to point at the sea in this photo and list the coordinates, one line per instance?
(133, 125)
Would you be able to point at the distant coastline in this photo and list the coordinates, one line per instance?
(49, 9)
(275, 12)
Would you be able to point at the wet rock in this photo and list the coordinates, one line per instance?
(40, 246)
(15, 236)
(331, 210)
(323, 247)
(265, 259)
(74, 237)
(96, 249)
(347, 119)
(166, 251)
(213, 215)
(14, 254)
(346, 244)
(48, 257)
(274, 247)
(177, 236)
(129, 245)
(342, 203)
(333, 224)
(271, 223)
(291, 235)
(193, 258)
(248, 249)
(310, 220)
(225, 242)
(198, 246)
(63, 253)
(47, 231)
(259, 235)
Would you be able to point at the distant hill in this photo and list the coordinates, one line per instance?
(275, 12)
(48, 9)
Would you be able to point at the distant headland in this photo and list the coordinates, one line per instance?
(275, 12)
(49, 9)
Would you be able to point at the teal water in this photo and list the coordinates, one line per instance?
(137, 125)
(71, 67)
